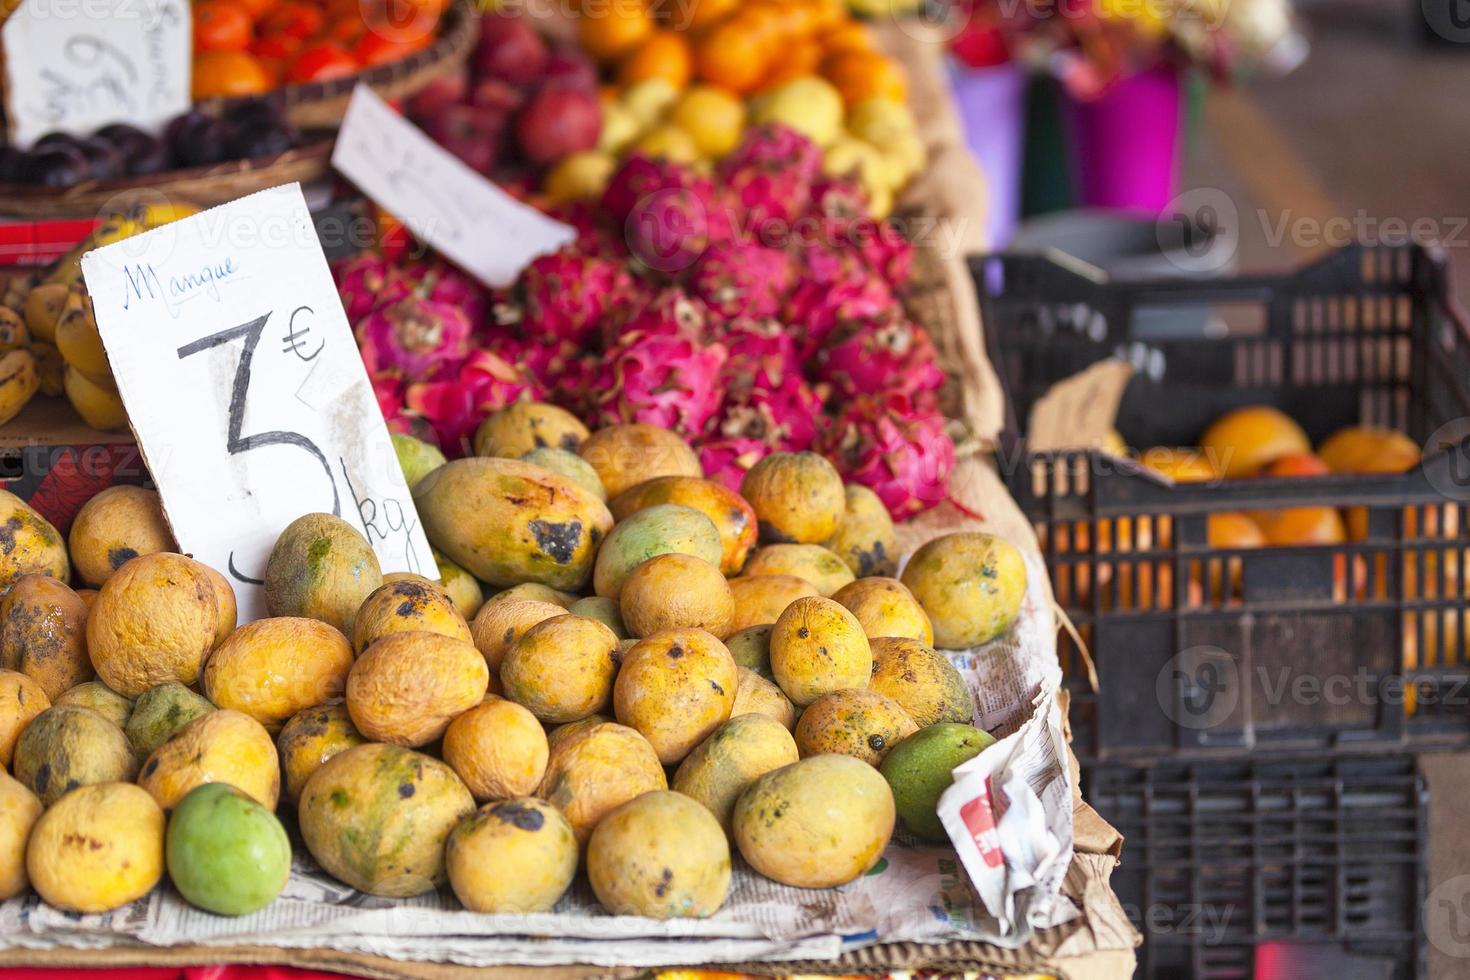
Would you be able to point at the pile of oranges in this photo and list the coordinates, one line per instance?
(247, 47)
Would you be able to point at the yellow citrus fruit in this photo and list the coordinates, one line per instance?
(712, 117)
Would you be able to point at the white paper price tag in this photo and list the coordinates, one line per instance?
(472, 222)
(245, 388)
(75, 65)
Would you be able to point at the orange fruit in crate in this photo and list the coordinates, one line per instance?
(734, 55)
(1180, 465)
(665, 55)
(1295, 464)
(1367, 449)
(221, 25)
(229, 73)
(608, 33)
(1246, 439)
(1302, 526)
(864, 75)
(1232, 530)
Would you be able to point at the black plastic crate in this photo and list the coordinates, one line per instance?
(1198, 649)
(1239, 870)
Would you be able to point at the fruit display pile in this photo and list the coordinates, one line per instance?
(672, 673)
(754, 311)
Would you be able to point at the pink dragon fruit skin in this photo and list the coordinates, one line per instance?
(639, 176)
(839, 219)
(742, 278)
(388, 390)
(891, 353)
(670, 311)
(366, 282)
(770, 176)
(762, 352)
(456, 402)
(904, 455)
(728, 460)
(566, 294)
(817, 307)
(666, 380)
(414, 336)
(786, 416)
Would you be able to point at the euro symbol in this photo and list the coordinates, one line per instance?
(294, 339)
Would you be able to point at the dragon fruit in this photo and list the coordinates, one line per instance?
(666, 380)
(443, 283)
(785, 416)
(741, 278)
(891, 353)
(904, 455)
(457, 401)
(762, 352)
(728, 460)
(566, 294)
(839, 214)
(664, 211)
(888, 253)
(366, 282)
(817, 306)
(414, 336)
(670, 311)
(388, 390)
(640, 176)
(770, 176)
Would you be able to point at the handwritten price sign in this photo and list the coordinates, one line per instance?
(75, 65)
(245, 388)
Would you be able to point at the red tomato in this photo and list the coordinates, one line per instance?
(375, 49)
(278, 47)
(320, 62)
(301, 20)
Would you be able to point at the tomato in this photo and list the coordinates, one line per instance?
(278, 47)
(375, 49)
(221, 25)
(321, 62)
(296, 19)
(230, 73)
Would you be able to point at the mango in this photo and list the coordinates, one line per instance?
(758, 695)
(921, 680)
(822, 568)
(115, 526)
(98, 848)
(859, 723)
(751, 648)
(405, 607)
(817, 647)
(662, 855)
(626, 455)
(461, 587)
(309, 739)
(675, 688)
(507, 522)
(797, 497)
(817, 823)
(520, 427)
(154, 620)
(595, 769)
(272, 668)
(416, 458)
(28, 543)
(322, 568)
(659, 530)
(734, 756)
(731, 515)
(885, 607)
(562, 669)
(225, 852)
(865, 537)
(67, 746)
(43, 633)
(515, 856)
(21, 700)
(498, 749)
(919, 770)
(101, 699)
(971, 585)
(604, 610)
(674, 591)
(357, 824)
(538, 592)
(408, 687)
(223, 746)
(225, 606)
(159, 712)
(569, 465)
(501, 622)
(19, 810)
(760, 599)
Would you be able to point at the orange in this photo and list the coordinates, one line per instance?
(664, 55)
(849, 36)
(689, 15)
(1246, 439)
(789, 19)
(1367, 449)
(864, 75)
(282, 47)
(296, 19)
(799, 59)
(733, 55)
(1295, 464)
(1302, 526)
(613, 30)
(321, 62)
(1180, 465)
(1231, 529)
(373, 49)
(229, 73)
(221, 25)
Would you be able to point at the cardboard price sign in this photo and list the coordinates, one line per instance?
(245, 388)
(468, 219)
(75, 65)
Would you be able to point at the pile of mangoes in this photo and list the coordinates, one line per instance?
(671, 672)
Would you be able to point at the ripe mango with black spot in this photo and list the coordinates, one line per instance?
(662, 855)
(562, 669)
(115, 526)
(863, 724)
(596, 767)
(817, 647)
(675, 688)
(971, 585)
(376, 817)
(865, 537)
(67, 746)
(405, 607)
(520, 427)
(509, 522)
(223, 746)
(43, 633)
(817, 823)
(922, 680)
(28, 543)
(322, 568)
(731, 515)
(98, 848)
(159, 712)
(309, 739)
(798, 497)
(514, 856)
(736, 754)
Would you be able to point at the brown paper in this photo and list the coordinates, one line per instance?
(1079, 412)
